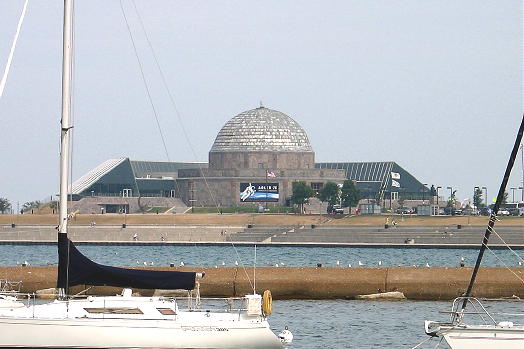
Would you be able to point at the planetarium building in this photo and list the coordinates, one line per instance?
(255, 158)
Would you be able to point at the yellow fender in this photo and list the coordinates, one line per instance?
(267, 302)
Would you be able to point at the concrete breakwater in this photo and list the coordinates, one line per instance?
(417, 283)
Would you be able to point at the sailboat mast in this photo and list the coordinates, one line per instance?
(65, 123)
(493, 216)
(65, 126)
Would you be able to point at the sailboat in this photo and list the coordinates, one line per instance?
(123, 321)
(491, 334)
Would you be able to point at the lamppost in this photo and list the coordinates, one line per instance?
(424, 193)
(513, 194)
(486, 189)
(522, 190)
(438, 204)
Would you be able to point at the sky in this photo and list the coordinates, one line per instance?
(435, 86)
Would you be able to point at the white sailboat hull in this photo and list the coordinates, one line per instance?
(484, 337)
(92, 333)
(132, 322)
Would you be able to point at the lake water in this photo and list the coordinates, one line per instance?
(315, 324)
(368, 324)
(163, 255)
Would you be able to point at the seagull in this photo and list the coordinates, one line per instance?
(360, 264)
(520, 263)
(379, 263)
(150, 263)
(427, 264)
(236, 262)
(281, 263)
(338, 263)
(223, 263)
(145, 263)
(25, 264)
(349, 265)
(276, 265)
(137, 262)
(182, 264)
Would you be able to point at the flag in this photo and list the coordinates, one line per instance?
(395, 175)
(394, 183)
(271, 174)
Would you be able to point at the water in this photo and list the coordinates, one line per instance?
(368, 324)
(314, 323)
(163, 255)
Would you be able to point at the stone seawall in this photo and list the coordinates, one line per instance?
(419, 283)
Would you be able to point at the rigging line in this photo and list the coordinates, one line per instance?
(509, 247)
(12, 51)
(493, 216)
(505, 265)
(242, 264)
(144, 80)
(173, 104)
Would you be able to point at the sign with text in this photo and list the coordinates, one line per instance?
(250, 192)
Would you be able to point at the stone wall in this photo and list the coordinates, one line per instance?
(270, 160)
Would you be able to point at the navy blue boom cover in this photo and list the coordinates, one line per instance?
(76, 269)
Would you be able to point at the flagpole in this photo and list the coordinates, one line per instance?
(266, 191)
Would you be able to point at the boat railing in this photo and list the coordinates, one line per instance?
(7, 286)
(457, 312)
(232, 304)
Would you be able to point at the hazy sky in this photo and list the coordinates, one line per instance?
(434, 85)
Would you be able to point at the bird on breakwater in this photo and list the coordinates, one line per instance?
(276, 265)
(145, 263)
(137, 262)
(236, 263)
(520, 264)
(427, 264)
(151, 263)
(379, 263)
(338, 263)
(182, 264)
(360, 264)
(462, 262)
(25, 264)
(349, 265)
(223, 263)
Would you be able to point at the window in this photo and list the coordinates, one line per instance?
(394, 195)
(113, 310)
(260, 165)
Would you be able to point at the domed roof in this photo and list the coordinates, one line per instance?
(262, 129)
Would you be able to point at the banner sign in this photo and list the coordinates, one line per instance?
(250, 192)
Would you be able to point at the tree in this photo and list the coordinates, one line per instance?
(505, 198)
(5, 205)
(401, 198)
(330, 193)
(28, 206)
(452, 199)
(350, 194)
(301, 193)
(477, 198)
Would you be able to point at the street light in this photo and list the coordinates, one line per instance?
(486, 189)
(522, 190)
(438, 204)
(513, 194)
(424, 193)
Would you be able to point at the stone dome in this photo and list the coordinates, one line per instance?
(261, 130)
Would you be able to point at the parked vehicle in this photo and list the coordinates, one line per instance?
(335, 209)
(503, 212)
(485, 211)
(404, 210)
